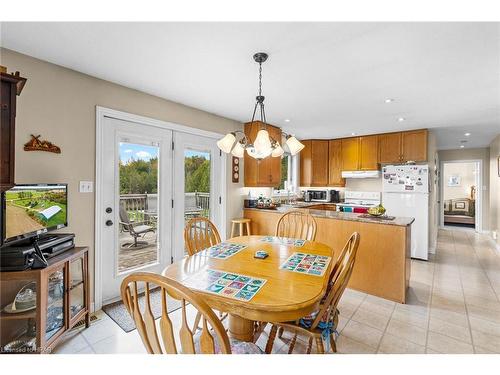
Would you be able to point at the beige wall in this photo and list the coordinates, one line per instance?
(495, 189)
(60, 104)
(467, 174)
(482, 154)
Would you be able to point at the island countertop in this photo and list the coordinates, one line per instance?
(383, 264)
(399, 221)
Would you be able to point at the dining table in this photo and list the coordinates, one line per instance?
(285, 293)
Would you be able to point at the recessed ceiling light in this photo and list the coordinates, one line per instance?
(353, 133)
(462, 146)
(401, 119)
(467, 134)
(287, 120)
(389, 100)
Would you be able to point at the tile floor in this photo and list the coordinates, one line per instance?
(453, 307)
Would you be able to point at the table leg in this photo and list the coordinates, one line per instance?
(240, 328)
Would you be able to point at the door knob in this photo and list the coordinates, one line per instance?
(109, 223)
(109, 210)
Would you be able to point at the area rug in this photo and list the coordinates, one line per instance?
(118, 312)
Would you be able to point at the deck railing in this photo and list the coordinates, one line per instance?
(141, 207)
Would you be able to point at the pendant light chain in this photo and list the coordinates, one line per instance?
(260, 79)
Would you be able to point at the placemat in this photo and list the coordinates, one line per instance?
(309, 264)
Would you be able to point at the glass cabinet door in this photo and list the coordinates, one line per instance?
(55, 304)
(76, 287)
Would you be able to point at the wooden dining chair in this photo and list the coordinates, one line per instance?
(160, 338)
(199, 234)
(297, 224)
(323, 322)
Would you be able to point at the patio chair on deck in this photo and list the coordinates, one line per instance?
(136, 230)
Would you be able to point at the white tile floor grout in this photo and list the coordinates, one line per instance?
(453, 307)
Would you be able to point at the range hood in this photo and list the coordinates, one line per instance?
(360, 174)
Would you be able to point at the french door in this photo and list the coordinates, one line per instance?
(151, 180)
(136, 219)
(197, 187)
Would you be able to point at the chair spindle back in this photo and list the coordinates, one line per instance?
(199, 234)
(160, 338)
(297, 224)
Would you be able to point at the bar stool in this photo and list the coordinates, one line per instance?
(241, 221)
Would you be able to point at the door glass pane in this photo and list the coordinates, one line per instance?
(138, 215)
(196, 184)
(76, 289)
(55, 304)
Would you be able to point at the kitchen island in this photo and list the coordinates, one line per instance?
(383, 260)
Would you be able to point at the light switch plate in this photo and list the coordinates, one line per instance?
(86, 186)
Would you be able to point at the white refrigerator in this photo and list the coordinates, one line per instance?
(405, 192)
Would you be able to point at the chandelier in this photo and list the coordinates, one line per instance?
(264, 145)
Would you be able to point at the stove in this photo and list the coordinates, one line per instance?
(359, 201)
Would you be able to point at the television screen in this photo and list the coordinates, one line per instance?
(34, 209)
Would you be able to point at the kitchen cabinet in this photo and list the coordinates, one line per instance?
(368, 153)
(401, 147)
(335, 163)
(267, 172)
(306, 164)
(319, 155)
(350, 154)
(314, 163)
(360, 153)
(414, 145)
(389, 146)
(11, 87)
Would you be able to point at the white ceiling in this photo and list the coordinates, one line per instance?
(329, 79)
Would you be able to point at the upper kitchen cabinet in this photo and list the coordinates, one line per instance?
(314, 163)
(306, 164)
(350, 154)
(267, 172)
(319, 155)
(414, 145)
(368, 153)
(335, 163)
(403, 146)
(360, 153)
(11, 86)
(389, 146)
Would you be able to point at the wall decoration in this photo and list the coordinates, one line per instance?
(35, 144)
(235, 170)
(454, 180)
(498, 166)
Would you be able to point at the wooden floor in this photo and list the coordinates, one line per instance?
(130, 258)
(454, 307)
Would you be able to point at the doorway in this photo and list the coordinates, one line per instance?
(461, 196)
(150, 178)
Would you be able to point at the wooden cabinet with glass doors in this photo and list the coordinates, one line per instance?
(39, 306)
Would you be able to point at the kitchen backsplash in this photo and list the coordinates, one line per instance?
(364, 184)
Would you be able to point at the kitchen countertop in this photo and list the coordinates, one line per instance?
(399, 221)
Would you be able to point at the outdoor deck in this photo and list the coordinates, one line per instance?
(130, 258)
(137, 207)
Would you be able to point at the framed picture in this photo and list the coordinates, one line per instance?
(498, 166)
(454, 180)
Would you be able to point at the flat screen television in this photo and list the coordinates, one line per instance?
(32, 210)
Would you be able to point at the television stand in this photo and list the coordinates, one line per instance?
(62, 300)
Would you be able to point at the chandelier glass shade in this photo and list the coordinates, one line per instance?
(264, 145)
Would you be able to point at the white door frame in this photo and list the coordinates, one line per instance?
(101, 113)
(479, 192)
